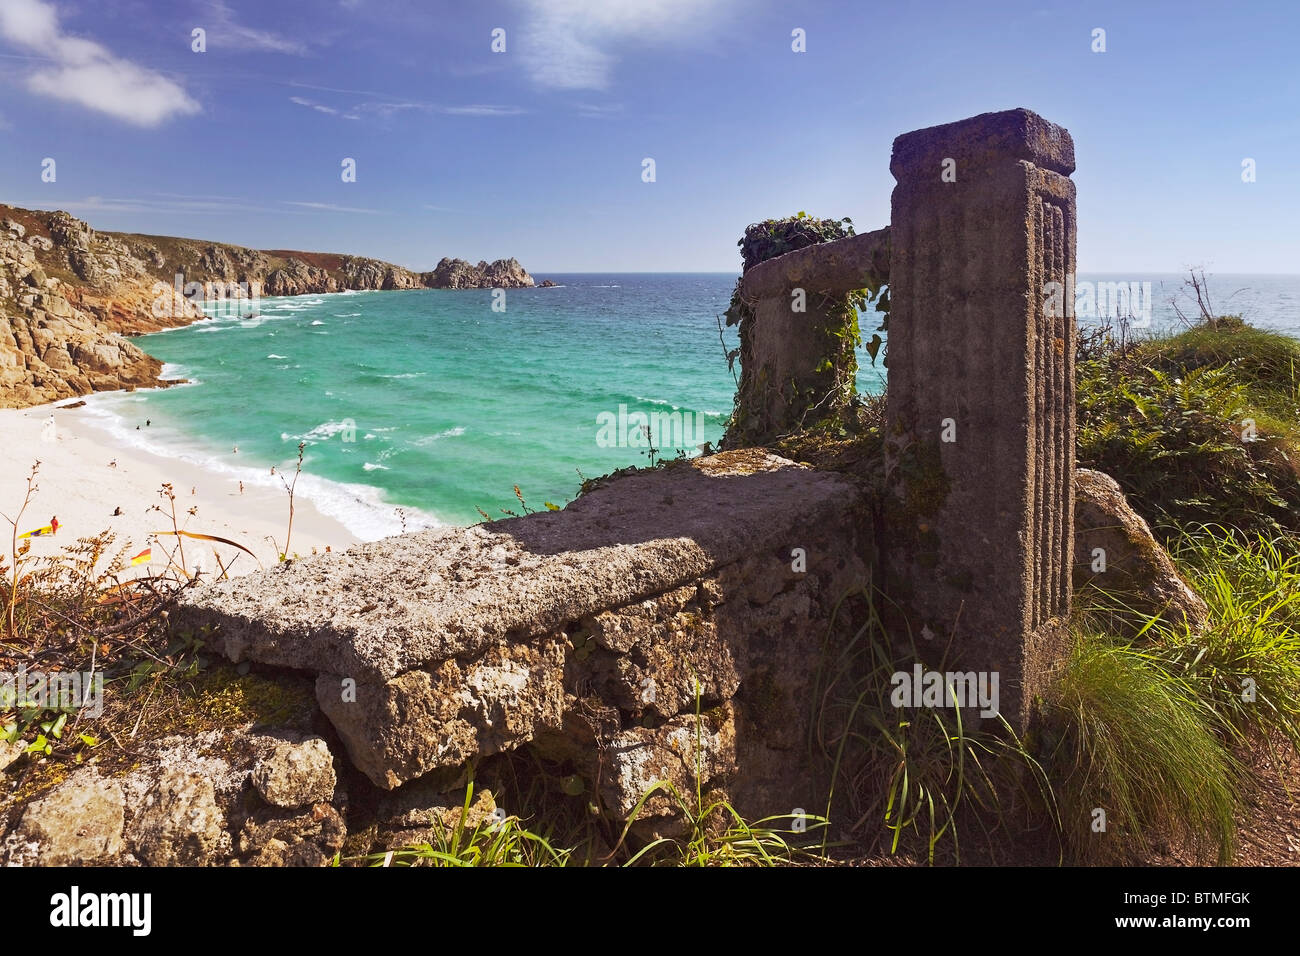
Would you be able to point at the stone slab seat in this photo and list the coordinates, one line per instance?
(834, 268)
(453, 638)
(388, 606)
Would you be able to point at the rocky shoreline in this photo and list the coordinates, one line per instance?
(69, 296)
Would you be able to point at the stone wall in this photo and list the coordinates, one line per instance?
(593, 634)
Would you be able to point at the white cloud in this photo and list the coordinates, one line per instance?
(248, 38)
(86, 73)
(566, 43)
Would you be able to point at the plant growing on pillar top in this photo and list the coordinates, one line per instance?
(832, 379)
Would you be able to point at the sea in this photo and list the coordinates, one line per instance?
(431, 407)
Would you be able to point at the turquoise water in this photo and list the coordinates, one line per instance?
(449, 404)
(453, 403)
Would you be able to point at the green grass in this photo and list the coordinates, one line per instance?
(1198, 427)
(1266, 362)
(1128, 736)
(914, 778)
(490, 842)
(1158, 730)
(1246, 662)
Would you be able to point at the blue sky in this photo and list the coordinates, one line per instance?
(537, 152)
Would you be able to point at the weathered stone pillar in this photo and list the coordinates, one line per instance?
(981, 394)
(798, 359)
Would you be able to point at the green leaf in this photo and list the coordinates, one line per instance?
(873, 347)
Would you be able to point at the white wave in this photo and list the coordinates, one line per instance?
(406, 375)
(317, 322)
(656, 401)
(274, 356)
(362, 509)
(371, 466)
(430, 439)
(346, 315)
(327, 430)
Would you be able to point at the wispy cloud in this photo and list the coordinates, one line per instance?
(327, 207)
(186, 205)
(86, 73)
(596, 111)
(380, 104)
(479, 109)
(224, 26)
(94, 204)
(567, 44)
(302, 101)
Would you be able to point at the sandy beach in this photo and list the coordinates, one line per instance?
(94, 483)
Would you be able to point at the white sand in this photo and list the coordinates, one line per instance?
(77, 484)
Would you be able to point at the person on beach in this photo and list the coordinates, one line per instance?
(241, 487)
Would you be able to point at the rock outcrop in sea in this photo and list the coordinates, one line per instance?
(459, 274)
(69, 293)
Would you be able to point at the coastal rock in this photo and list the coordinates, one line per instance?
(298, 278)
(79, 823)
(49, 349)
(459, 274)
(180, 823)
(294, 775)
(1137, 569)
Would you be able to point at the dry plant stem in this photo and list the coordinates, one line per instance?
(289, 487)
(13, 546)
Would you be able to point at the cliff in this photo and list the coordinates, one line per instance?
(50, 348)
(68, 294)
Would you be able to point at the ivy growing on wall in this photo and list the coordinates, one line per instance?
(767, 240)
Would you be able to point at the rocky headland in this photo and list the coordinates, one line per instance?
(69, 296)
